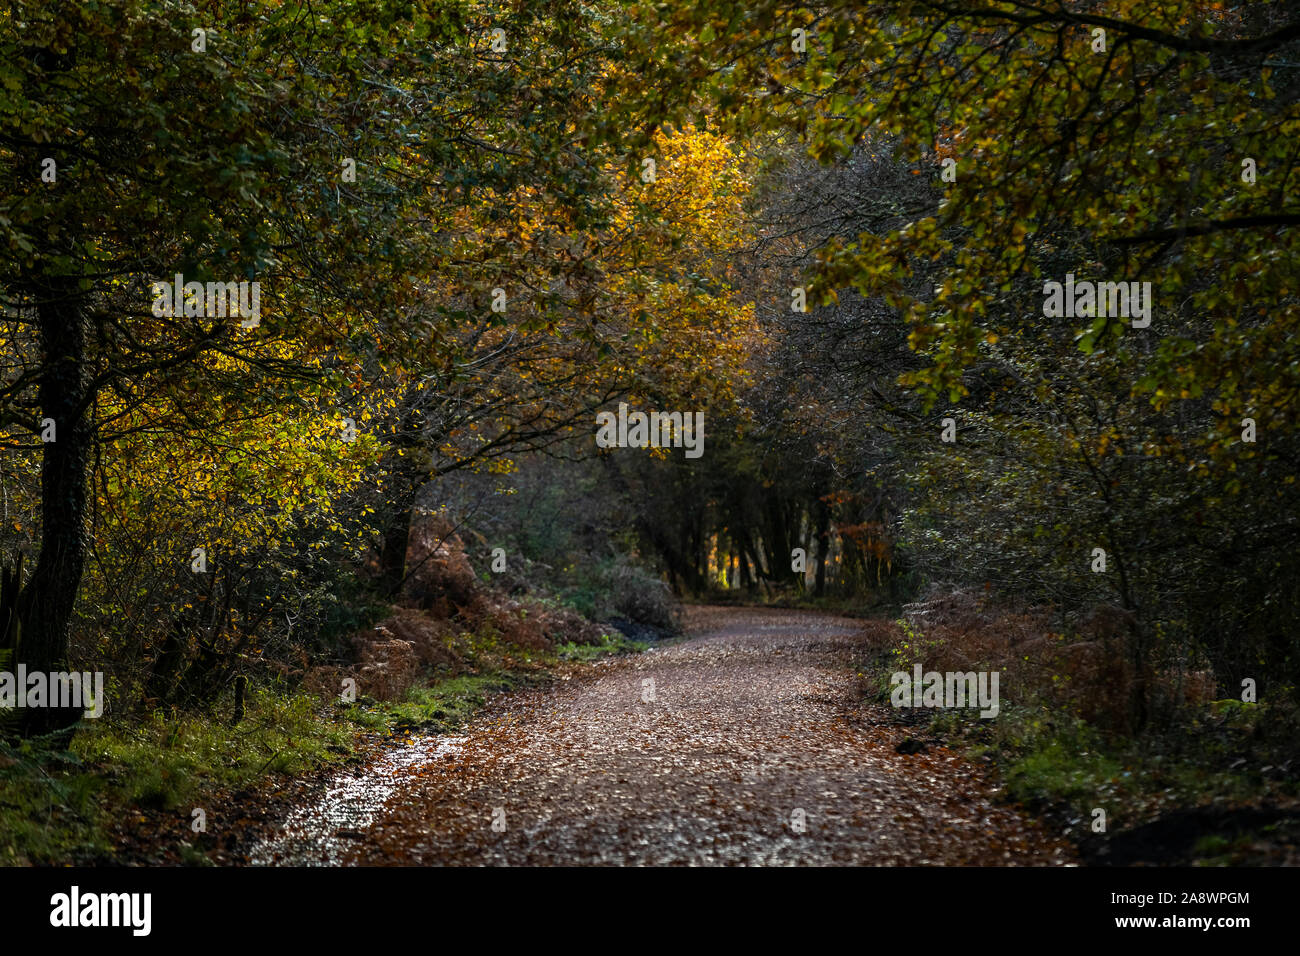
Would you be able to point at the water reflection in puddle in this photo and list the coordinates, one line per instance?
(324, 832)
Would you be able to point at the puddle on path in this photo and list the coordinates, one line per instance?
(324, 832)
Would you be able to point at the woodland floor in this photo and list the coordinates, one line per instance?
(756, 714)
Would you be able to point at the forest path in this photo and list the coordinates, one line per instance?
(757, 715)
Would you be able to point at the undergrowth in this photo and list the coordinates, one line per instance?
(61, 805)
(1063, 746)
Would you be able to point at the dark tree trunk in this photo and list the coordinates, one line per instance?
(241, 686)
(695, 548)
(778, 539)
(404, 479)
(823, 535)
(747, 548)
(46, 603)
(397, 540)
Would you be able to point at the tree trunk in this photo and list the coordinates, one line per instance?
(778, 541)
(46, 603)
(747, 547)
(823, 534)
(397, 539)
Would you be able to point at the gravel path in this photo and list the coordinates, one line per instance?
(752, 724)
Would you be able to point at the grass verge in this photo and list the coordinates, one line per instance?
(61, 806)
